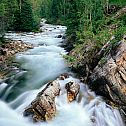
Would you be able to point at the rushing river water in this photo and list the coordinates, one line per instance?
(42, 64)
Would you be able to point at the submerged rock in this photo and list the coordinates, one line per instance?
(63, 76)
(43, 108)
(72, 90)
(59, 36)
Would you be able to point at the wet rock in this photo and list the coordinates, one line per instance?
(13, 47)
(63, 37)
(7, 52)
(43, 108)
(109, 77)
(72, 90)
(63, 76)
(68, 42)
(59, 36)
(1, 51)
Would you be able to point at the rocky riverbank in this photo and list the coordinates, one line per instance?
(103, 70)
(8, 50)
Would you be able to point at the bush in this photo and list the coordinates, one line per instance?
(84, 36)
(120, 32)
(69, 58)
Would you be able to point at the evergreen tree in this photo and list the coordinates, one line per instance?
(72, 16)
(55, 9)
(23, 20)
(11, 8)
(26, 16)
(2, 20)
(17, 21)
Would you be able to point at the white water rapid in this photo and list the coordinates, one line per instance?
(42, 64)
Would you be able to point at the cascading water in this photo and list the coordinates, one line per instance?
(42, 64)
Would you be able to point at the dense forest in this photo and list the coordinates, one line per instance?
(80, 16)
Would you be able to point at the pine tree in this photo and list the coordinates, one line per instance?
(72, 16)
(11, 8)
(55, 9)
(26, 16)
(2, 20)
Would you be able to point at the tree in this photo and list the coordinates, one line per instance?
(11, 8)
(72, 16)
(2, 20)
(24, 16)
(7, 10)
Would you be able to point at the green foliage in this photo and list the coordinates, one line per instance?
(2, 40)
(2, 24)
(69, 58)
(102, 61)
(11, 8)
(23, 15)
(26, 16)
(102, 37)
(85, 19)
(2, 9)
(36, 6)
(119, 33)
(23, 20)
(84, 36)
(118, 2)
(123, 19)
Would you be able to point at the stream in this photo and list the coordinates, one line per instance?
(39, 65)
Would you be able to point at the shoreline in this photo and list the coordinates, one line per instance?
(8, 50)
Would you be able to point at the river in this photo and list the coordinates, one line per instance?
(39, 65)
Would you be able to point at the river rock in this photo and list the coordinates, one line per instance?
(72, 90)
(59, 36)
(13, 47)
(43, 108)
(63, 76)
(109, 77)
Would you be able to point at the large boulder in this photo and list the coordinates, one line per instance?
(43, 108)
(109, 76)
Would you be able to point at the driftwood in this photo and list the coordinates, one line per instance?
(43, 108)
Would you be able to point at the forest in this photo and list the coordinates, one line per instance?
(78, 15)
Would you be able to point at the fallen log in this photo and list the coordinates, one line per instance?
(43, 108)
